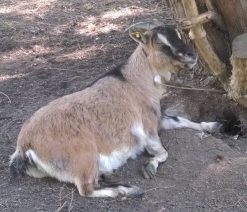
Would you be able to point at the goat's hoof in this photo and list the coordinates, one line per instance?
(219, 128)
(149, 171)
(211, 127)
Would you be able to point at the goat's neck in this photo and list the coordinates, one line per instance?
(140, 74)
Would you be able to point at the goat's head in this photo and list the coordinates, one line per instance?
(163, 45)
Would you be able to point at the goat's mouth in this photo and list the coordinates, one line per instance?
(188, 59)
(188, 62)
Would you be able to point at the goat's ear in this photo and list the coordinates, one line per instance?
(138, 35)
(141, 30)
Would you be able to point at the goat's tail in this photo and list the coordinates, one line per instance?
(18, 163)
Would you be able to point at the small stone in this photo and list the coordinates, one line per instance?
(219, 158)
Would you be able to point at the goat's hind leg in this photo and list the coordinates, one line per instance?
(177, 122)
(110, 190)
(117, 190)
(154, 147)
(86, 181)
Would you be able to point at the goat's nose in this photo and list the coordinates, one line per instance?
(190, 54)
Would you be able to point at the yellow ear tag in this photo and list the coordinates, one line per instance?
(136, 34)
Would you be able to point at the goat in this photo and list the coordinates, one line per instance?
(81, 136)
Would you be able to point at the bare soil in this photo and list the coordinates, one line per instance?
(49, 48)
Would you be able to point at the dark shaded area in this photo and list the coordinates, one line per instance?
(18, 166)
(231, 123)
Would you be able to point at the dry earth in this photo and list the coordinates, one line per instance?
(49, 48)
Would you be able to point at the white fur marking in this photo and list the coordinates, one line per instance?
(155, 163)
(13, 156)
(192, 65)
(137, 130)
(165, 41)
(34, 172)
(46, 168)
(157, 80)
(106, 192)
(179, 35)
(154, 145)
(114, 192)
(209, 126)
(108, 163)
(141, 137)
(168, 123)
(112, 161)
(167, 75)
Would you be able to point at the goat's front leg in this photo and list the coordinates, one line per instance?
(155, 148)
(177, 122)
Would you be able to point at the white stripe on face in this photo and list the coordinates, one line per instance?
(164, 40)
(179, 35)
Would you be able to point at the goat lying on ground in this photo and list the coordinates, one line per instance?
(81, 136)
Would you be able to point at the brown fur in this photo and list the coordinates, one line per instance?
(77, 127)
(70, 132)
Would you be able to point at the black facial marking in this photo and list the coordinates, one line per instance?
(115, 72)
(167, 50)
(171, 35)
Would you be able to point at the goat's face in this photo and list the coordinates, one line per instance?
(167, 51)
(164, 47)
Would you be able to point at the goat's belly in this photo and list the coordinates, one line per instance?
(108, 163)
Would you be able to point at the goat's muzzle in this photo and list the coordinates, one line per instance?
(188, 59)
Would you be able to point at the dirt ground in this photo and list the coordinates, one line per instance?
(49, 48)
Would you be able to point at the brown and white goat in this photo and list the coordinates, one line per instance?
(81, 136)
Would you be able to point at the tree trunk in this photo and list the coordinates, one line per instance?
(234, 14)
(213, 25)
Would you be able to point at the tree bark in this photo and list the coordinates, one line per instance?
(213, 26)
(234, 14)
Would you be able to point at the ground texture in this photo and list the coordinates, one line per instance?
(49, 48)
